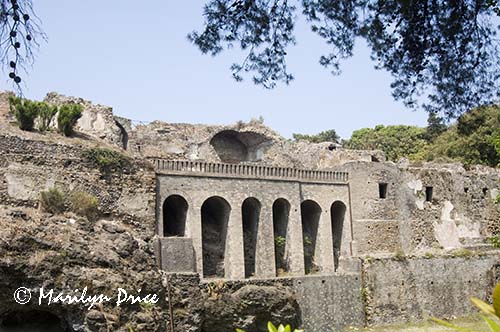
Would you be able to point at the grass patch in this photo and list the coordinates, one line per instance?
(107, 159)
(52, 201)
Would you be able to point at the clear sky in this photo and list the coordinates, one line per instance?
(135, 57)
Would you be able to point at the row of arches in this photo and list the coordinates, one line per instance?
(215, 216)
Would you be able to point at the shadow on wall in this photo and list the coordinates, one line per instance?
(234, 147)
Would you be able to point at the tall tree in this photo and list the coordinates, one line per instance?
(441, 54)
(19, 37)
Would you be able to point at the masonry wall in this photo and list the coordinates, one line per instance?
(461, 212)
(196, 190)
(419, 288)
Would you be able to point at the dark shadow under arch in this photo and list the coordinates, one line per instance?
(311, 213)
(281, 213)
(215, 213)
(337, 212)
(250, 212)
(175, 209)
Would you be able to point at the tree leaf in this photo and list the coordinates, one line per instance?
(446, 324)
(492, 324)
(271, 327)
(496, 300)
(483, 306)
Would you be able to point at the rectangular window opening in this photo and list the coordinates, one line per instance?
(382, 190)
(428, 194)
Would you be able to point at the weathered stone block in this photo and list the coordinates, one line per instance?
(177, 254)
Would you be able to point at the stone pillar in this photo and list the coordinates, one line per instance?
(324, 243)
(234, 261)
(265, 266)
(294, 252)
(193, 224)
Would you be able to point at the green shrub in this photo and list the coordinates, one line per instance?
(107, 159)
(25, 111)
(280, 241)
(46, 112)
(280, 328)
(52, 200)
(85, 205)
(67, 118)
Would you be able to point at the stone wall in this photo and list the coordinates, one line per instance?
(410, 289)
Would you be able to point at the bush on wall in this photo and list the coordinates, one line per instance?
(67, 118)
(25, 112)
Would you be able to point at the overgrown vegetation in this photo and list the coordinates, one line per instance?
(324, 136)
(28, 111)
(25, 111)
(67, 118)
(46, 113)
(81, 203)
(473, 139)
(107, 159)
(52, 201)
(84, 204)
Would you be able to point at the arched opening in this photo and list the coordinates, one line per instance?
(250, 211)
(123, 135)
(281, 212)
(311, 213)
(174, 216)
(337, 212)
(214, 220)
(35, 320)
(234, 146)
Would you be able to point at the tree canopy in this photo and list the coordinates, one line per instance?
(441, 54)
(324, 136)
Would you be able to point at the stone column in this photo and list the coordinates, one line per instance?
(324, 243)
(194, 226)
(234, 261)
(294, 252)
(265, 266)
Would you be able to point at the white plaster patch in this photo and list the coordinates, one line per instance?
(416, 186)
(446, 231)
(494, 193)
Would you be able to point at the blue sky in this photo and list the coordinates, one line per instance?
(134, 56)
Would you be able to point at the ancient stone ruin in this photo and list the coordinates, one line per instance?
(235, 225)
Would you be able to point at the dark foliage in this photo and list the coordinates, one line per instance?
(442, 54)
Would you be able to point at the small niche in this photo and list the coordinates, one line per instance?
(382, 190)
(428, 194)
(375, 159)
(485, 192)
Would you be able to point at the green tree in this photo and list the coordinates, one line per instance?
(435, 126)
(441, 54)
(471, 140)
(395, 141)
(67, 117)
(324, 136)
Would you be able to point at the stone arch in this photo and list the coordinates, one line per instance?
(337, 213)
(215, 213)
(250, 212)
(234, 146)
(281, 214)
(311, 213)
(32, 320)
(175, 209)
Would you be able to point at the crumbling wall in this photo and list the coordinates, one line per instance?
(457, 210)
(96, 120)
